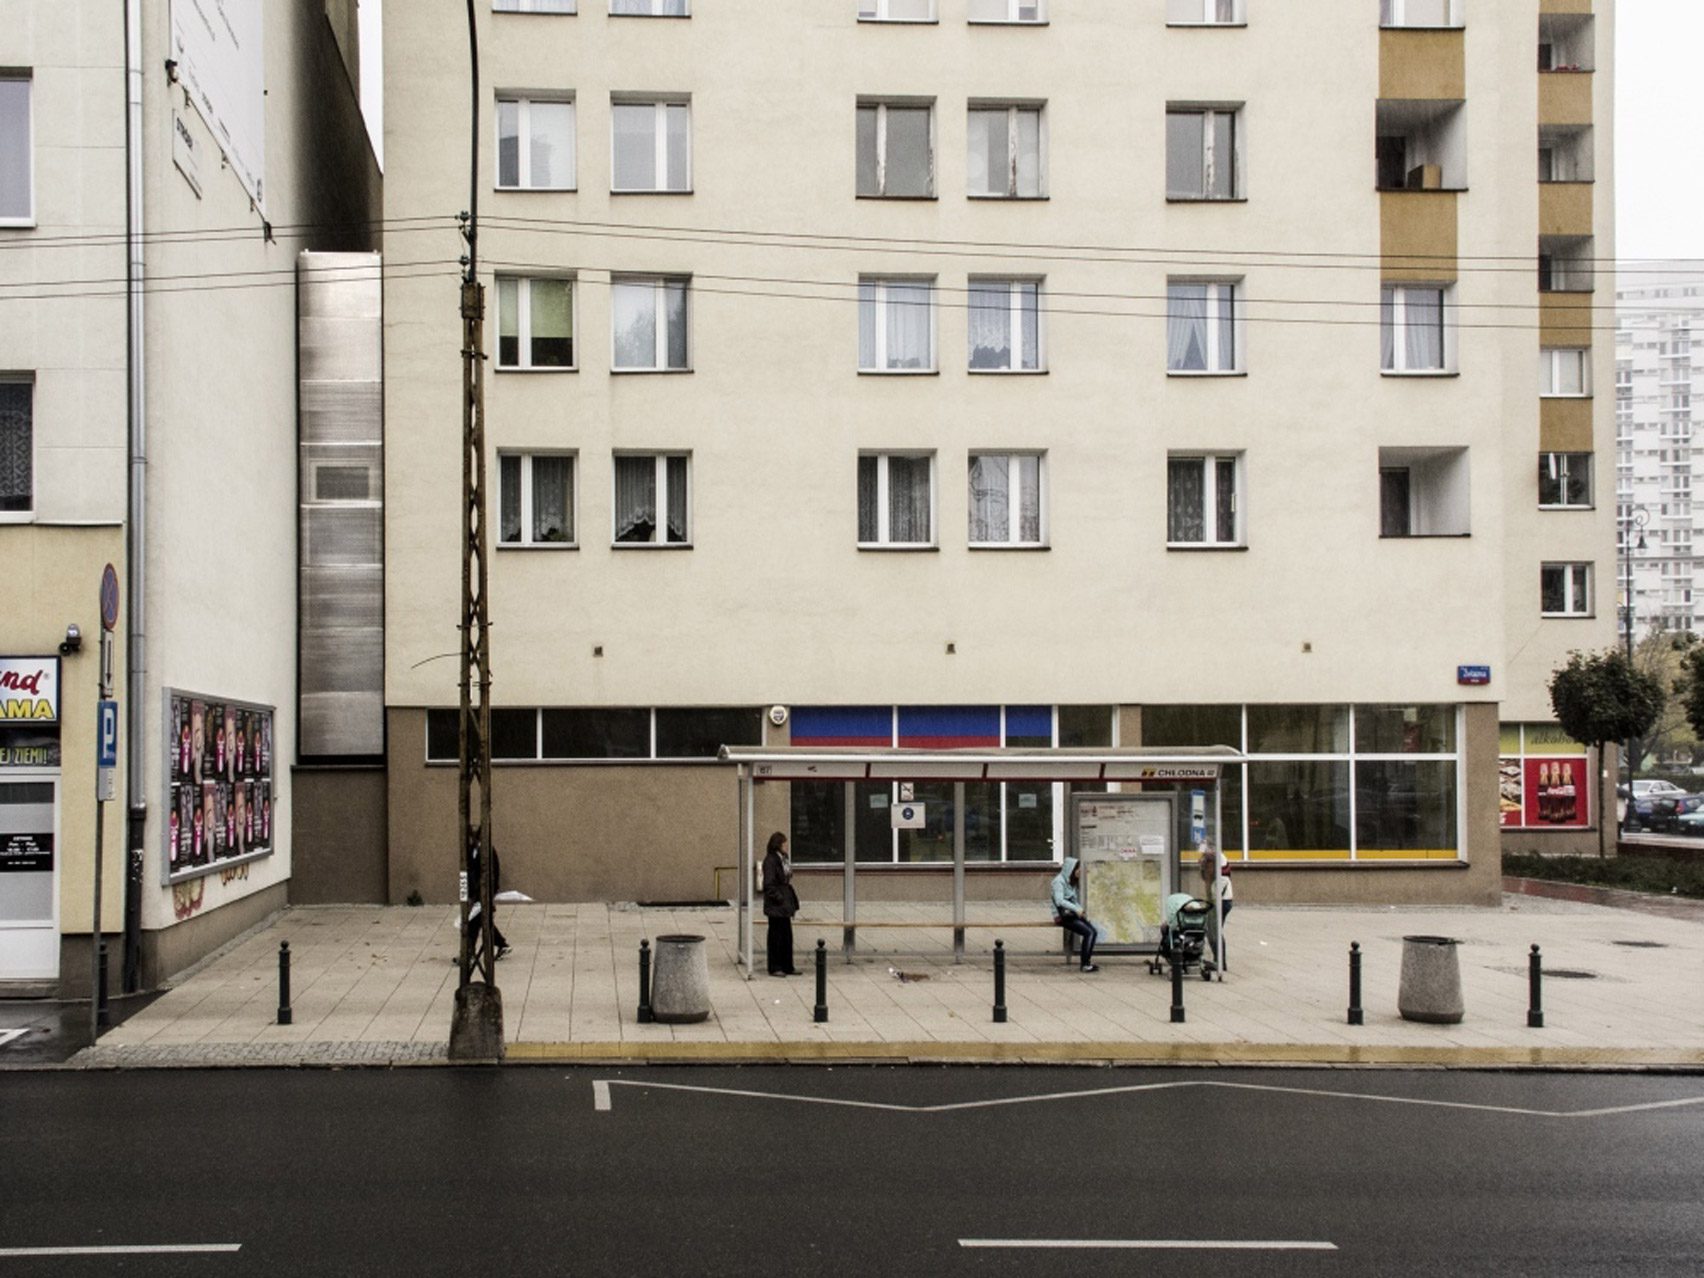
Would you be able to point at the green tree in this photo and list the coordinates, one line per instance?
(1692, 687)
(1600, 697)
(1668, 657)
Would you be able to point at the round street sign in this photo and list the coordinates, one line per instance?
(109, 598)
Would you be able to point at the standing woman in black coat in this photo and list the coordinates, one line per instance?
(780, 904)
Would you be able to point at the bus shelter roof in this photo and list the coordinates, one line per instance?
(900, 763)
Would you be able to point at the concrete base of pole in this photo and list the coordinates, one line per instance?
(476, 1025)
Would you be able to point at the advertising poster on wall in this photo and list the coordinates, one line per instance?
(1544, 781)
(1555, 794)
(219, 766)
(1511, 793)
(217, 47)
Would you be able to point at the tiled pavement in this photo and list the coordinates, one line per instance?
(374, 986)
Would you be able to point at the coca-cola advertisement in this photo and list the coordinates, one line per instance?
(219, 776)
(1555, 792)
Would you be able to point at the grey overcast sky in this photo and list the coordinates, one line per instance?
(1659, 165)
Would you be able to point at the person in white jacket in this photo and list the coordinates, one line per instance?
(1218, 891)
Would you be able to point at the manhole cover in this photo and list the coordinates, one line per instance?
(1644, 945)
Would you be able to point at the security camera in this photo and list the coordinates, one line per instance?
(73, 640)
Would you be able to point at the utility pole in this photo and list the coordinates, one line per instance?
(476, 1027)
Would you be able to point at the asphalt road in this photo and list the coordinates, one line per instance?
(519, 1172)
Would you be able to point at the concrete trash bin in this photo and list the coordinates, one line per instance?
(1431, 980)
(680, 981)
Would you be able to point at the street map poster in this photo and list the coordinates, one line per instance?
(1127, 848)
(219, 783)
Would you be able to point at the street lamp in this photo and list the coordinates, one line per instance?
(1633, 522)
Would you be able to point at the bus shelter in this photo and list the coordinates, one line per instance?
(1107, 771)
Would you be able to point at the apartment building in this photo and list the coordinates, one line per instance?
(196, 149)
(1658, 306)
(1002, 373)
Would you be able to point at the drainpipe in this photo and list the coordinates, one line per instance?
(135, 523)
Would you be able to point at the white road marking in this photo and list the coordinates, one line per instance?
(1133, 1089)
(600, 1094)
(144, 1249)
(1151, 1244)
(6, 1036)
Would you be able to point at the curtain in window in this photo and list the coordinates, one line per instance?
(1186, 501)
(1225, 11)
(866, 324)
(508, 323)
(552, 143)
(635, 499)
(1225, 501)
(635, 146)
(679, 127)
(988, 167)
(909, 165)
(869, 524)
(990, 322)
(552, 324)
(1029, 323)
(508, 143)
(676, 468)
(1226, 323)
(1029, 499)
(1186, 168)
(674, 298)
(1186, 327)
(552, 499)
(908, 499)
(990, 498)
(509, 500)
(634, 308)
(1424, 328)
(1029, 153)
(1387, 329)
(908, 325)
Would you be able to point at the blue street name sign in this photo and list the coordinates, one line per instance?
(1473, 675)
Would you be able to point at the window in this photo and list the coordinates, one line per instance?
(896, 326)
(700, 733)
(1565, 590)
(1423, 492)
(535, 323)
(535, 499)
(1008, 10)
(1004, 321)
(1420, 145)
(535, 145)
(1005, 152)
(601, 733)
(896, 10)
(1565, 263)
(896, 499)
(1006, 499)
(1564, 371)
(17, 446)
(1201, 154)
(1420, 13)
(649, 8)
(533, 6)
(17, 191)
(1202, 322)
(1202, 500)
(1565, 153)
(1565, 42)
(1414, 328)
(646, 484)
(651, 146)
(649, 323)
(1565, 480)
(1214, 13)
(896, 151)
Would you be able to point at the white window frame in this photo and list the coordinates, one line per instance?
(1577, 589)
(1209, 463)
(1399, 323)
(659, 535)
(656, 10)
(568, 9)
(28, 80)
(1207, 10)
(660, 103)
(526, 456)
(884, 510)
(1012, 110)
(877, 11)
(1014, 325)
(659, 285)
(523, 323)
(1551, 360)
(1013, 539)
(881, 106)
(881, 284)
(1210, 159)
(1218, 290)
(28, 514)
(1560, 468)
(1393, 13)
(1014, 12)
(523, 125)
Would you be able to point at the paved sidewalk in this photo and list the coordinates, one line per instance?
(374, 986)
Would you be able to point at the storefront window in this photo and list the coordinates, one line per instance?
(1029, 822)
(1191, 726)
(1299, 807)
(1406, 809)
(1405, 729)
(1298, 729)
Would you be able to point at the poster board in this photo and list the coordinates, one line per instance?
(221, 61)
(219, 791)
(1127, 847)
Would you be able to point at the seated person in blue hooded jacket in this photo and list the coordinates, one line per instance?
(1068, 907)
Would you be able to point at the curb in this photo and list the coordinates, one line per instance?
(1615, 898)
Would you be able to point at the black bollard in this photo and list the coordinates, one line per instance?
(999, 982)
(1356, 1016)
(285, 1015)
(821, 1013)
(645, 1015)
(1177, 992)
(1535, 979)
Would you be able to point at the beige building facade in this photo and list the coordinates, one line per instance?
(984, 373)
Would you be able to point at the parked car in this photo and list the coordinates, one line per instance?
(1659, 805)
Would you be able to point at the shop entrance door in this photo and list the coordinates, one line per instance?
(29, 876)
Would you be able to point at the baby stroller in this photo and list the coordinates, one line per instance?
(1185, 941)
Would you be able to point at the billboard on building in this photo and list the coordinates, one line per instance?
(219, 792)
(1544, 780)
(220, 60)
(29, 690)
